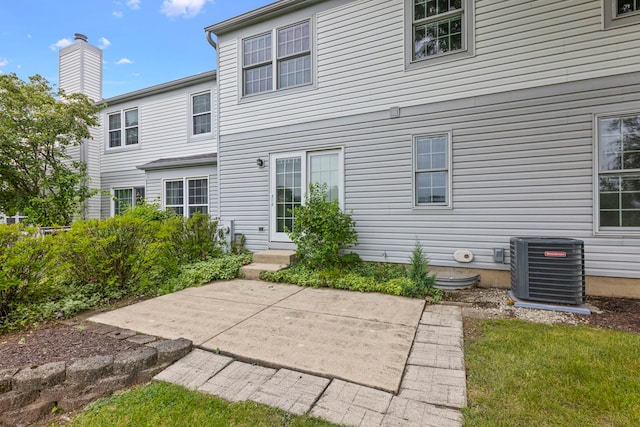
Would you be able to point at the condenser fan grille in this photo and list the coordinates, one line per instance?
(548, 269)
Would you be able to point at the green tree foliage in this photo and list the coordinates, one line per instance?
(321, 229)
(38, 126)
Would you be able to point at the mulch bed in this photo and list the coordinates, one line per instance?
(617, 313)
(56, 342)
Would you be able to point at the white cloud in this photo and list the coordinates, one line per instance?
(60, 44)
(124, 61)
(135, 74)
(28, 36)
(3, 62)
(117, 14)
(187, 8)
(103, 43)
(133, 4)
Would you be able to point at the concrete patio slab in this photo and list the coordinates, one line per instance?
(362, 338)
(245, 291)
(366, 306)
(180, 315)
(365, 352)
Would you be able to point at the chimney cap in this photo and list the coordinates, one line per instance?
(79, 36)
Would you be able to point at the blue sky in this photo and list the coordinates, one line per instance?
(145, 42)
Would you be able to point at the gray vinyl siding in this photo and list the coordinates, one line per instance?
(522, 166)
(163, 130)
(360, 61)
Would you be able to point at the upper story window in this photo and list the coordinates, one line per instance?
(123, 128)
(292, 59)
(432, 180)
(618, 13)
(619, 171)
(201, 113)
(440, 28)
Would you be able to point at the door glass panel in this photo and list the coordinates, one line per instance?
(324, 169)
(288, 191)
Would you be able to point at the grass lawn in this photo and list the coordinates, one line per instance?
(525, 374)
(163, 404)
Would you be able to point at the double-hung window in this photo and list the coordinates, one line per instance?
(196, 200)
(432, 180)
(621, 12)
(124, 198)
(619, 171)
(123, 128)
(439, 28)
(290, 57)
(201, 113)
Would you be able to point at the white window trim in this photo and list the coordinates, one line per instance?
(597, 230)
(123, 145)
(193, 136)
(610, 18)
(274, 61)
(133, 196)
(468, 38)
(414, 157)
(185, 193)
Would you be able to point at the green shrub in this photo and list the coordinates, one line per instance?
(118, 254)
(298, 274)
(199, 240)
(23, 266)
(394, 286)
(366, 277)
(321, 230)
(225, 267)
(422, 283)
(150, 211)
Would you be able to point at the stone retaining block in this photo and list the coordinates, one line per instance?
(28, 394)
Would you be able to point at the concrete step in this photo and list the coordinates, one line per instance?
(252, 271)
(274, 256)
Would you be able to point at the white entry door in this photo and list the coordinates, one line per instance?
(288, 172)
(291, 174)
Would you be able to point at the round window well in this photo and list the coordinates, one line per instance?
(448, 283)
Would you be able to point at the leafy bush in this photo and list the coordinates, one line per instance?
(392, 279)
(366, 277)
(225, 267)
(23, 262)
(118, 254)
(321, 229)
(198, 239)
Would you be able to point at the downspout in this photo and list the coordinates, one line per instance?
(215, 47)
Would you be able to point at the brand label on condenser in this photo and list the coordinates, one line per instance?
(555, 254)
